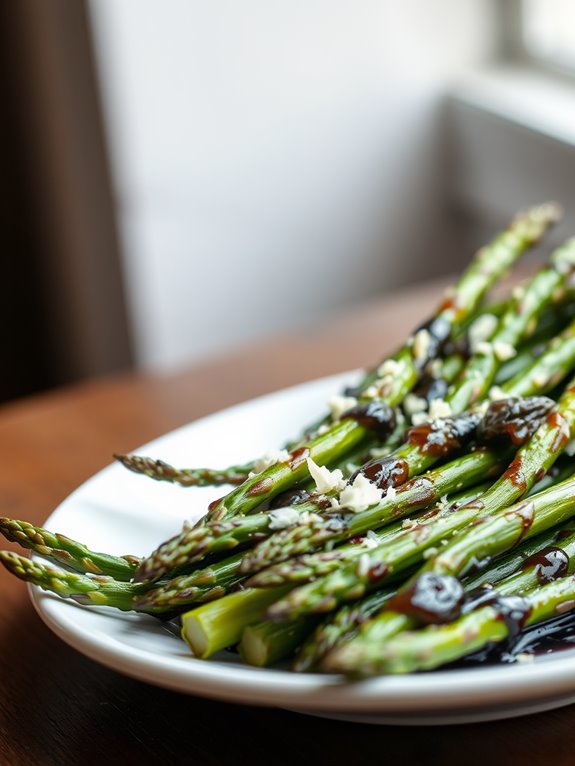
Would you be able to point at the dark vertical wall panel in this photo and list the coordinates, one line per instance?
(62, 308)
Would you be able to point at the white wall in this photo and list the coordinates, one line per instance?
(274, 160)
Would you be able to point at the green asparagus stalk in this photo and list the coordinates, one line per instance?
(185, 477)
(419, 600)
(89, 591)
(417, 454)
(216, 580)
(220, 624)
(266, 643)
(200, 586)
(548, 370)
(503, 567)
(236, 474)
(66, 552)
(338, 627)
(537, 561)
(513, 326)
(499, 532)
(167, 598)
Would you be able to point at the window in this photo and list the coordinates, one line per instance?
(547, 31)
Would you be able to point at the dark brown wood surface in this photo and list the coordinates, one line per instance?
(61, 709)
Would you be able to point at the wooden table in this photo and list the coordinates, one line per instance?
(57, 707)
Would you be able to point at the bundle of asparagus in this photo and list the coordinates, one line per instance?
(426, 517)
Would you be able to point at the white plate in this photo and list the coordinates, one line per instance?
(119, 512)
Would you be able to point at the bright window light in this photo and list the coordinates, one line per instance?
(548, 30)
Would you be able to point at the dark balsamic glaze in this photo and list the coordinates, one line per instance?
(482, 596)
(513, 420)
(377, 571)
(431, 598)
(260, 487)
(443, 437)
(376, 416)
(515, 474)
(298, 457)
(423, 492)
(215, 503)
(513, 611)
(524, 513)
(354, 391)
(460, 346)
(558, 421)
(542, 641)
(550, 563)
(429, 388)
(439, 330)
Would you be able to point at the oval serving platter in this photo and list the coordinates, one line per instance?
(116, 506)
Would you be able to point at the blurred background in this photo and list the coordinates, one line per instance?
(181, 177)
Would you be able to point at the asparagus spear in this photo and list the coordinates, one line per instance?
(265, 643)
(70, 553)
(185, 477)
(424, 447)
(236, 474)
(414, 495)
(546, 371)
(168, 598)
(219, 624)
(353, 579)
(515, 323)
(89, 591)
(497, 532)
(401, 372)
(199, 586)
(339, 626)
(435, 645)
